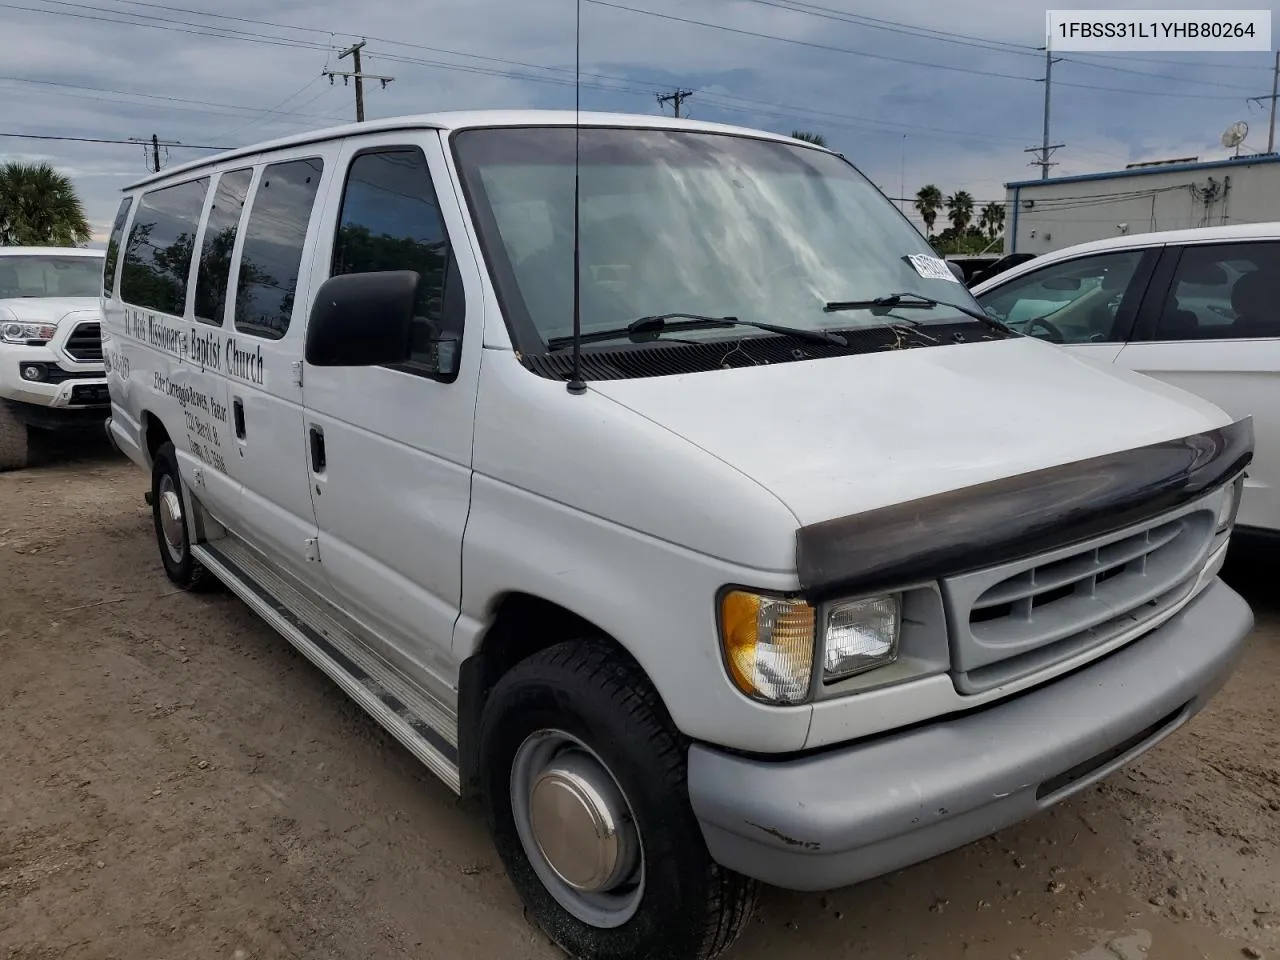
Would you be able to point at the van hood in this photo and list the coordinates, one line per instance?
(45, 309)
(839, 436)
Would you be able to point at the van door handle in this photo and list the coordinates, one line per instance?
(317, 450)
(237, 413)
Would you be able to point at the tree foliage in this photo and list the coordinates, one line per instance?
(40, 207)
(815, 138)
(960, 210)
(928, 203)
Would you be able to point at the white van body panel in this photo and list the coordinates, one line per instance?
(392, 503)
(839, 436)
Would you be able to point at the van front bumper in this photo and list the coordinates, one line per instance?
(847, 815)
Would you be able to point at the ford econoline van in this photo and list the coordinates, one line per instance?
(654, 481)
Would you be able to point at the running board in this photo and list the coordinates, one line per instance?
(425, 726)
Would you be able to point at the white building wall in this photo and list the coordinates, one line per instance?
(1048, 215)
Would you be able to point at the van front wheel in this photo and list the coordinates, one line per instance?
(585, 790)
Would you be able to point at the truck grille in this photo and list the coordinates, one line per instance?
(85, 343)
(1020, 618)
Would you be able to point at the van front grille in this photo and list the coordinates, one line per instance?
(1024, 617)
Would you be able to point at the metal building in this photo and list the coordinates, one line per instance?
(1044, 215)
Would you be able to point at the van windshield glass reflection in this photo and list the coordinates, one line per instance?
(691, 222)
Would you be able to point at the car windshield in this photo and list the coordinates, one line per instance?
(50, 276)
(675, 221)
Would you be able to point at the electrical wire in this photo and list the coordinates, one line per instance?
(131, 143)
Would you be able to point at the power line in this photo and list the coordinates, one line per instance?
(969, 40)
(131, 142)
(879, 56)
(805, 43)
(150, 96)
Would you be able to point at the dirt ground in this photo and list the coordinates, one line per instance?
(176, 782)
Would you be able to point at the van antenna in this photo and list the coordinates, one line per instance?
(576, 385)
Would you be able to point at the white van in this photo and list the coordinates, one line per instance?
(803, 571)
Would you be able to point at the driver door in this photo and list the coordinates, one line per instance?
(1087, 304)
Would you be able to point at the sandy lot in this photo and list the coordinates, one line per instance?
(175, 782)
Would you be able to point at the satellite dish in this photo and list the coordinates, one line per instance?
(1234, 135)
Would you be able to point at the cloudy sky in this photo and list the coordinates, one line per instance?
(913, 91)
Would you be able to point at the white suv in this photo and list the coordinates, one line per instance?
(51, 373)
(790, 565)
(1198, 308)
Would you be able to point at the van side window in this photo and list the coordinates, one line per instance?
(113, 247)
(272, 252)
(157, 259)
(1225, 291)
(214, 271)
(390, 220)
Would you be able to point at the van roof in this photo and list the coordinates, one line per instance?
(460, 120)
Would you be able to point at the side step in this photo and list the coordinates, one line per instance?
(422, 723)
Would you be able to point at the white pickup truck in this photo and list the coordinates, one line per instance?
(51, 373)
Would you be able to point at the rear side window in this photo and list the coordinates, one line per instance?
(157, 259)
(390, 220)
(214, 271)
(272, 252)
(113, 246)
(1223, 291)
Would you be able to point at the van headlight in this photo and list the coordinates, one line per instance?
(859, 635)
(770, 642)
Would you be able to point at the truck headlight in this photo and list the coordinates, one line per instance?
(859, 635)
(768, 645)
(28, 333)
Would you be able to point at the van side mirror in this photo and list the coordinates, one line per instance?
(362, 319)
(956, 270)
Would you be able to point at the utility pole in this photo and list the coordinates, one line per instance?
(674, 98)
(155, 143)
(353, 52)
(1046, 149)
(1275, 94)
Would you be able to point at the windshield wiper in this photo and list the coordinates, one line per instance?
(659, 323)
(916, 300)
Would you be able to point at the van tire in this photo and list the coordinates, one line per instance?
(179, 564)
(690, 907)
(14, 442)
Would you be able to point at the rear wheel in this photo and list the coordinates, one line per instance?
(585, 789)
(168, 512)
(14, 444)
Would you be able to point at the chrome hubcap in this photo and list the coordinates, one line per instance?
(171, 517)
(577, 828)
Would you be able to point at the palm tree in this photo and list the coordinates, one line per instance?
(929, 202)
(39, 207)
(815, 138)
(960, 210)
(992, 219)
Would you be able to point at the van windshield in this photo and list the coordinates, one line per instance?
(31, 275)
(676, 221)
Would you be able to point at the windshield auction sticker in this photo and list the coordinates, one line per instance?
(1203, 31)
(931, 268)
